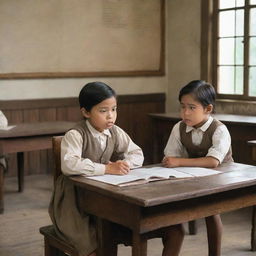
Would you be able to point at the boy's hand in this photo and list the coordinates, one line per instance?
(171, 162)
(118, 168)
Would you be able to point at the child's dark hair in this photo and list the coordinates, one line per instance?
(93, 93)
(203, 92)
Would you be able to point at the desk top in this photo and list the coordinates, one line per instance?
(227, 118)
(234, 176)
(35, 129)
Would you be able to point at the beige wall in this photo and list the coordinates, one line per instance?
(183, 47)
(182, 64)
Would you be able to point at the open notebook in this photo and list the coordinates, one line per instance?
(145, 175)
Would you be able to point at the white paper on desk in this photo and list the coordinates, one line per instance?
(159, 172)
(7, 128)
(114, 179)
(197, 171)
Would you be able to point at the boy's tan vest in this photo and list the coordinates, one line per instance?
(201, 150)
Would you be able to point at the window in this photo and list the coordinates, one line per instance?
(232, 25)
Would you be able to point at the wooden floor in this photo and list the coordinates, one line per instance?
(26, 212)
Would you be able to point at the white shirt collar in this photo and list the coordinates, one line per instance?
(95, 133)
(203, 128)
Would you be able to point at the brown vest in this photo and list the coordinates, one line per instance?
(201, 150)
(91, 147)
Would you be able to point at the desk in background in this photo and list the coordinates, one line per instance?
(28, 137)
(241, 128)
(252, 144)
(147, 207)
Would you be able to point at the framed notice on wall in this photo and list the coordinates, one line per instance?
(81, 38)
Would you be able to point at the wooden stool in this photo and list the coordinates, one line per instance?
(54, 246)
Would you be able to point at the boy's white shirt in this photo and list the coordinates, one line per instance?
(71, 150)
(221, 141)
(3, 120)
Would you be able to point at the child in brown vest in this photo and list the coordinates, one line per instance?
(96, 146)
(199, 140)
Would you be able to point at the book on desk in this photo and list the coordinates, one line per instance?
(145, 175)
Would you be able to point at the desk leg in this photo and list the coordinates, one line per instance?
(20, 167)
(253, 230)
(139, 245)
(105, 237)
(192, 227)
(254, 153)
(1, 189)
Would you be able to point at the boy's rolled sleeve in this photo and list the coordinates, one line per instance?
(221, 142)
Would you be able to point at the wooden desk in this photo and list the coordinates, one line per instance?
(241, 128)
(28, 137)
(159, 204)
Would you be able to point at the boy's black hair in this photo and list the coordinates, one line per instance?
(202, 91)
(93, 93)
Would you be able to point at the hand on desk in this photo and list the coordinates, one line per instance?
(206, 162)
(119, 167)
(170, 161)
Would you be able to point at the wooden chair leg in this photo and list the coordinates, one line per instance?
(51, 250)
(48, 249)
(20, 161)
(253, 230)
(192, 227)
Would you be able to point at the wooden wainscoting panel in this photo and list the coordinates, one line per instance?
(31, 115)
(47, 114)
(31, 159)
(15, 117)
(61, 113)
(133, 118)
(73, 113)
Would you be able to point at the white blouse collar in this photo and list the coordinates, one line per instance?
(203, 128)
(95, 133)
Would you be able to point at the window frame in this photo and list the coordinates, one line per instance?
(209, 48)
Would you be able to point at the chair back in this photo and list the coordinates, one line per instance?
(56, 143)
